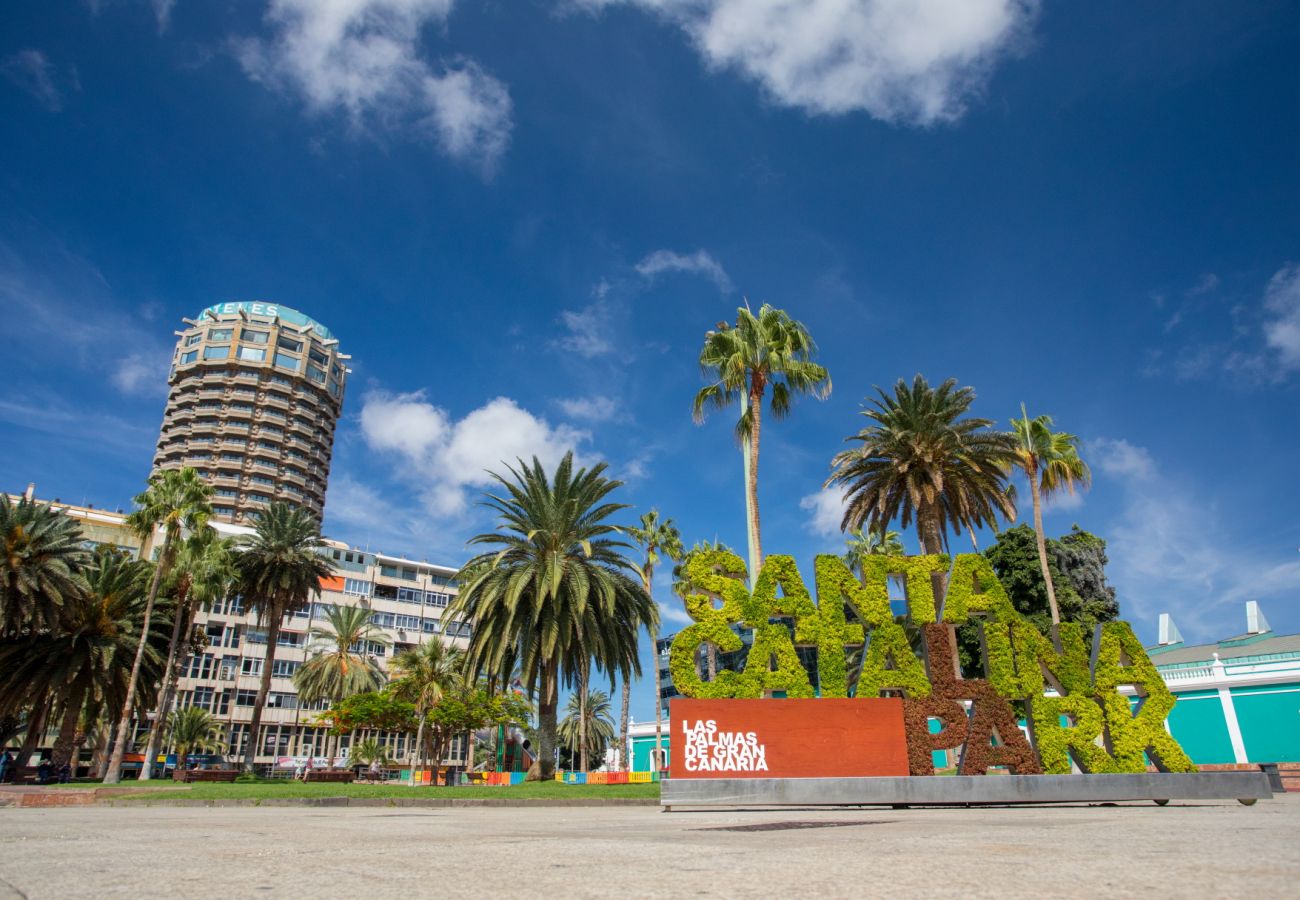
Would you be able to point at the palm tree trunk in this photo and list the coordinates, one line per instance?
(931, 536)
(546, 709)
(659, 707)
(417, 751)
(711, 655)
(178, 771)
(68, 727)
(756, 530)
(1032, 471)
(114, 773)
(99, 757)
(105, 757)
(582, 718)
(272, 637)
(35, 729)
(171, 674)
(623, 727)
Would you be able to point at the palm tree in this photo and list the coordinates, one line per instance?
(279, 572)
(874, 542)
(368, 751)
(555, 588)
(422, 675)
(175, 499)
(767, 350)
(655, 537)
(340, 663)
(204, 571)
(922, 458)
(1051, 463)
(588, 727)
(192, 730)
(40, 556)
(83, 662)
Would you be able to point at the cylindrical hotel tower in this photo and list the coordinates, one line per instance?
(256, 390)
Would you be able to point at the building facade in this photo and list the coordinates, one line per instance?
(256, 390)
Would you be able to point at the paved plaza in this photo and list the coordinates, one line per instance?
(1190, 850)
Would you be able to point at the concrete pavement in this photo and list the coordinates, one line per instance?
(1188, 850)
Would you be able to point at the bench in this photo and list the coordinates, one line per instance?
(226, 775)
(339, 775)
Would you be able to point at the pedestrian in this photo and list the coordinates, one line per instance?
(375, 770)
(6, 767)
(43, 772)
(306, 770)
(65, 773)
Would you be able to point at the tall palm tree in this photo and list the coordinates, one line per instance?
(555, 587)
(767, 350)
(204, 571)
(192, 730)
(588, 727)
(175, 499)
(655, 537)
(340, 664)
(280, 570)
(421, 676)
(872, 542)
(924, 459)
(84, 660)
(1051, 463)
(40, 556)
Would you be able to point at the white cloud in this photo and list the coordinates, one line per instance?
(588, 331)
(447, 457)
(674, 614)
(826, 508)
(595, 409)
(1170, 552)
(1119, 458)
(31, 71)
(906, 61)
(700, 262)
(1282, 327)
(162, 11)
(360, 58)
(139, 373)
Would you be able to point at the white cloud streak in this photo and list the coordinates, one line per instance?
(588, 331)
(31, 71)
(698, 263)
(903, 61)
(1169, 551)
(826, 511)
(592, 409)
(446, 457)
(361, 58)
(1282, 323)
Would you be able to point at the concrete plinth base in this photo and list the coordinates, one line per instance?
(958, 790)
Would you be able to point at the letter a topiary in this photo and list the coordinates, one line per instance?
(1119, 658)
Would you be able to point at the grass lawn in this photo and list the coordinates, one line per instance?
(541, 790)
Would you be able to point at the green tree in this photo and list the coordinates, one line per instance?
(924, 459)
(467, 707)
(597, 731)
(340, 664)
(555, 588)
(175, 500)
(280, 570)
(655, 537)
(1051, 463)
(758, 352)
(192, 730)
(368, 751)
(40, 561)
(861, 544)
(1078, 555)
(84, 660)
(422, 676)
(203, 572)
(376, 710)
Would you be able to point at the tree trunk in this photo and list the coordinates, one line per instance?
(931, 536)
(171, 672)
(68, 727)
(582, 719)
(102, 771)
(756, 530)
(35, 729)
(178, 771)
(546, 709)
(659, 707)
(1032, 471)
(711, 655)
(114, 773)
(417, 751)
(272, 637)
(99, 757)
(622, 726)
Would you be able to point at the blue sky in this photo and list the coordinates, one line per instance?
(520, 217)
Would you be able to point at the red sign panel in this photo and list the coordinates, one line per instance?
(787, 738)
